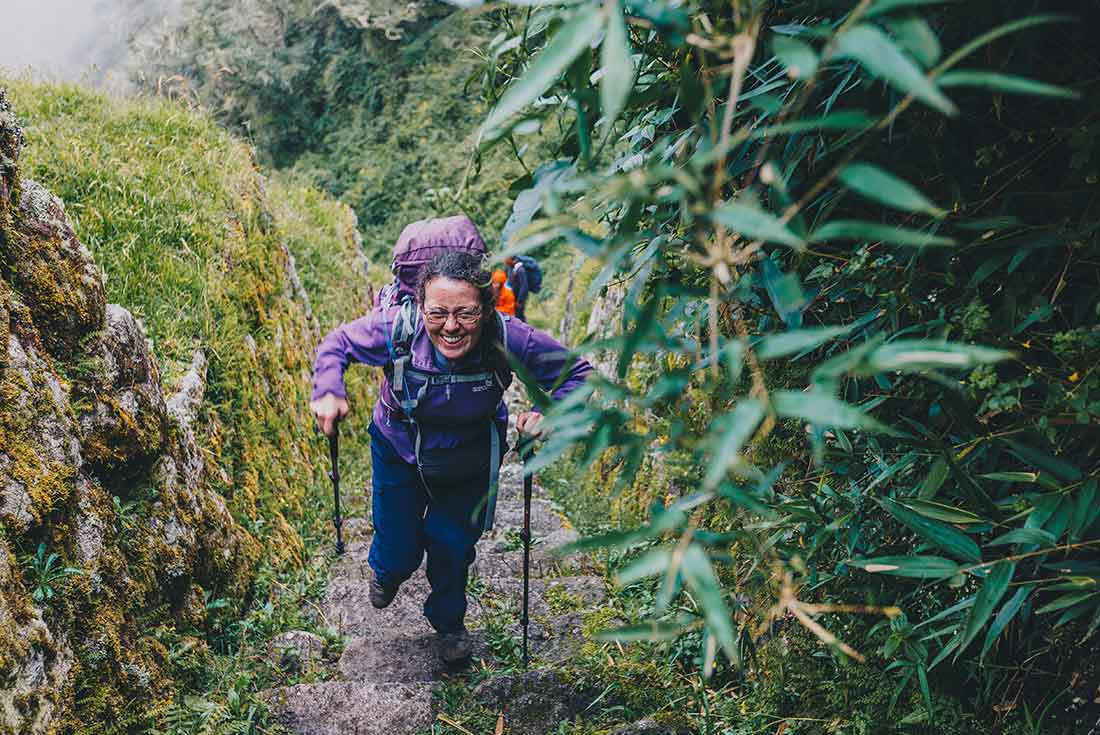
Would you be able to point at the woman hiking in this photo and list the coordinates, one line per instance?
(439, 425)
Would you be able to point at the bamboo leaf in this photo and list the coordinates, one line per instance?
(753, 223)
(785, 292)
(649, 564)
(654, 631)
(882, 7)
(877, 53)
(823, 410)
(917, 38)
(1074, 612)
(798, 56)
(921, 567)
(1005, 83)
(1011, 476)
(924, 354)
(857, 230)
(839, 120)
(939, 534)
(882, 186)
(933, 481)
(734, 429)
(1004, 617)
(568, 43)
(624, 539)
(774, 346)
(1025, 536)
(1065, 601)
(1086, 510)
(618, 66)
(942, 512)
(1044, 461)
(993, 589)
(701, 580)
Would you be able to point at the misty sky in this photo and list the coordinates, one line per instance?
(48, 34)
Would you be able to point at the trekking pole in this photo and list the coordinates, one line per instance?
(526, 450)
(334, 475)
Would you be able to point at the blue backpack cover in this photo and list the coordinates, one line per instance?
(534, 273)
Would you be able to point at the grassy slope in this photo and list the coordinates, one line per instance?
(190, 236)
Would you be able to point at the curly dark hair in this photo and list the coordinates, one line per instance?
(462, 266)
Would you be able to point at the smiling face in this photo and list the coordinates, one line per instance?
(456, 333)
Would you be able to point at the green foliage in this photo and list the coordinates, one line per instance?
(45, 572)
(935, 343)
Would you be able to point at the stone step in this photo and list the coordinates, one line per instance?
(402, 659)
(497, 557)
(347, 608)
(353, 708)
(510, 484)
(551, 596)
(509, 517)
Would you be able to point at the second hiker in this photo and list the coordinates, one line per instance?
(439, 425)
(505, 298)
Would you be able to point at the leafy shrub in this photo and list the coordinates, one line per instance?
(852, 223)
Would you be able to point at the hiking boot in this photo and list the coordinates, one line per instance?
(454, 648)
(381, 595)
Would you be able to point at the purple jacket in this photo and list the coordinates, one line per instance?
(448, 415)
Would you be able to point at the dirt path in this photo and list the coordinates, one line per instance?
(389, 665)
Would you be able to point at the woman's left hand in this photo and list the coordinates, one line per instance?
(528, 423)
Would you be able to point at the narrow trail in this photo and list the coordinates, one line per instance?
(389, 665)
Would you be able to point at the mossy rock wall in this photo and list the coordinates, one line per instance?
(160, 477)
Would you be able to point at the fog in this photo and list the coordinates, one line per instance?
(78, 40)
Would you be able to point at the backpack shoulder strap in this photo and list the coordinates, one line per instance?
(399, 343)
(503, 380)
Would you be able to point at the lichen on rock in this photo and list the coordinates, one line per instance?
(53, 271)
(124, 422)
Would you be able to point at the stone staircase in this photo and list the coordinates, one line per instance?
(389, 666)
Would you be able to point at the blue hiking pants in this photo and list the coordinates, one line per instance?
(409, 523)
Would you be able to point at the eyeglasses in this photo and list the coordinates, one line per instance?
(465, 317)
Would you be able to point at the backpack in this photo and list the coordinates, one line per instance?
(534, 272)
(418, 243)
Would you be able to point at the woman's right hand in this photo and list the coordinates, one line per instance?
(328, 410)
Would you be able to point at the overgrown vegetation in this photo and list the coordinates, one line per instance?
(865, 228)
(198, 245)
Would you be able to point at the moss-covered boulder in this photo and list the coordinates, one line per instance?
(44, 260)
(123, 416)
